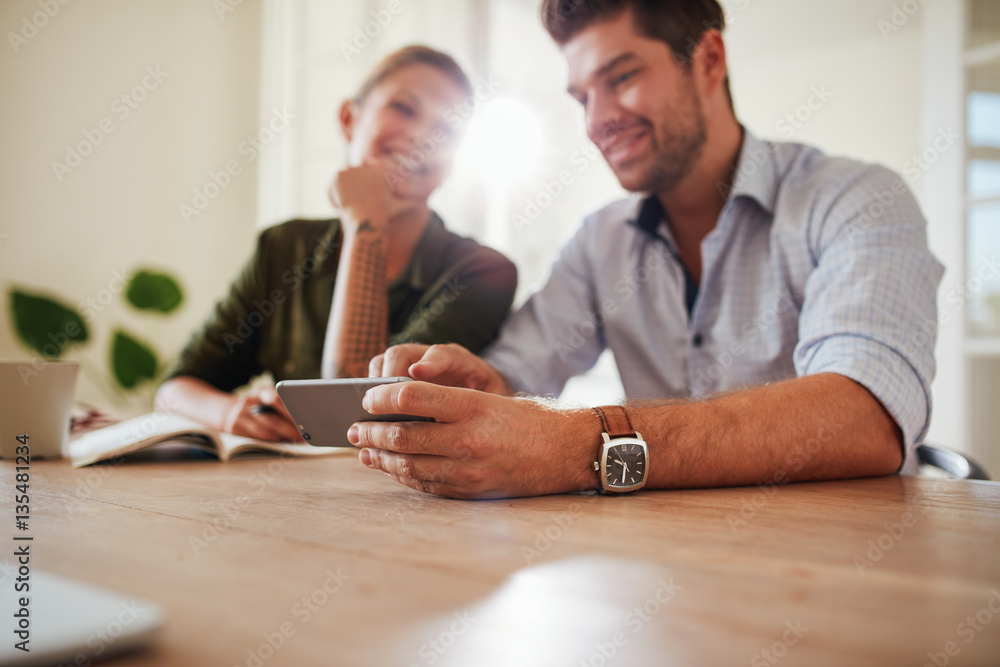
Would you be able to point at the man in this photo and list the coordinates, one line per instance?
(768, 306)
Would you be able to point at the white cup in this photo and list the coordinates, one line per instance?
(35, 401)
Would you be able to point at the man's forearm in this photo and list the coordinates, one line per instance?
(480, 445)
(816, 427)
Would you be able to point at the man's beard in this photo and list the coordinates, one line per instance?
(676, 149)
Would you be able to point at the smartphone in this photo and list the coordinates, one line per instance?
(323, 410)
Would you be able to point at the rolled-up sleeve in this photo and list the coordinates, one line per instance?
(869, 308)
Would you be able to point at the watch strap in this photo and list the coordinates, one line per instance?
(615, 421)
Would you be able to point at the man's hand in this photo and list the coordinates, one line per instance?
(480, 445)
(260, 414)
(449, 365)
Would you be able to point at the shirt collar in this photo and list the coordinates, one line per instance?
(756, 175)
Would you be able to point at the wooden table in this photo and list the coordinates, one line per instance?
(338, 565)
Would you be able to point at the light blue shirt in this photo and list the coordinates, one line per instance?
(816, 265)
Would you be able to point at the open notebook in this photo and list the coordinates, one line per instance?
(159, 428)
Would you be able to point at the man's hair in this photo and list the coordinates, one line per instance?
(414, 55)
(678, 23)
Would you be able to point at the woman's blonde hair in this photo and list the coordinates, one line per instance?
(414, 55)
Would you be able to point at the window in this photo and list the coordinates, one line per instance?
(982, 60)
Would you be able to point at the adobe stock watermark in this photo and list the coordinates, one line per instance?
(913, 169)
(142, 428)
(302, 611)
(292, 278)
(878, 547)
(751, 162)
(223, 8)
(553, 188)
(956, 300)
(917, 165)
(31, 26)
(93, 306)
(231, 511)
(363, 36)
(795, 120)
(794, 461)
(450, 293)
(751, 332)
(535, 205)
(634, 622)
(102, 640)
(248, 149)
(417, 160)
(729, 15)
(625, 288)
(96, 476)
(899, 17)
(959, 296)
(773, 654)
(893, 533)
(558, 526)
(434, 648)
(89, 308)
(967, 630)
(122, 107)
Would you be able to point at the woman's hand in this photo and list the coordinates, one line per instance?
(363, 196)
(260, 414)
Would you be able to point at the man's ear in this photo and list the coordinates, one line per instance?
(710, 57)
(348, 117)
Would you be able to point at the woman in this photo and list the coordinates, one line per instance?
(321, 298)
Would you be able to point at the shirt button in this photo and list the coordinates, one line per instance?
(698, 340)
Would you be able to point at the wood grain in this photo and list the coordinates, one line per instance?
(878, 571)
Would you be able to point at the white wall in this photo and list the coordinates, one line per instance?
(119, 209)
(782, 50)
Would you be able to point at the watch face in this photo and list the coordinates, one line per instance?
(625, 464)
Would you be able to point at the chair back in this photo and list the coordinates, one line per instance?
(957, 465)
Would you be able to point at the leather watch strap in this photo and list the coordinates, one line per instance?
(615, 421)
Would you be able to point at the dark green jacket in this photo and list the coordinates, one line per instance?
(275, 316)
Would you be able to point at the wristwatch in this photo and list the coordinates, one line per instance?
(623, 461)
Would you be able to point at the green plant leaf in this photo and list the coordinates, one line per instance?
(132, 361)
(45, 325)
(154, 291)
